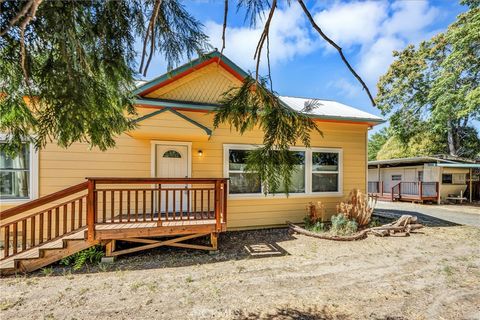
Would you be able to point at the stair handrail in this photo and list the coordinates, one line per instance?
(399, 185)
(43, 200)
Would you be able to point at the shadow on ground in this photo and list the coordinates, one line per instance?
(423, 218)
(308, 314)
(233, 245)
(292, 314)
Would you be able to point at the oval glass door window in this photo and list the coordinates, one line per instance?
(172, 154)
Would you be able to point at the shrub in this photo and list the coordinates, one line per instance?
(315, 213)
(343, 226)
(92, 255)
(358, 207)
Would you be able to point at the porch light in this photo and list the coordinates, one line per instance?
(200, 153)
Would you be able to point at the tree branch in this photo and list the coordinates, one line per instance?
(151, 26)
(23, 51)
(338, 48)
(263, 37)
(17, 17)
(225, 14)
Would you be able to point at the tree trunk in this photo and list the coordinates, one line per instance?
(452, 135)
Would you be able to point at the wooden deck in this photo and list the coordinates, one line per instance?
(106, 210)
(405, 191)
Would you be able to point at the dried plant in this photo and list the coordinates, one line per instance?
(358, 206)
(315, 212)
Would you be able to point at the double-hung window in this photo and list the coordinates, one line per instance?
(17, 175)
(318, 171)
(325, 171)
(241, 182)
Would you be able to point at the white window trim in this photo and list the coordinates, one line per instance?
(33, 174)
(308, 174)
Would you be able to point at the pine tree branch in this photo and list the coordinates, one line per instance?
(23, 51)
(22, 13)
(338, 48)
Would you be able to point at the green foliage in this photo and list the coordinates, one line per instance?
(342, 226)
(253, 105)
(92, 255)
(78, 71)
(434, 88)
(376, 142)
(317, 226)
(374, 223)
(47, 271)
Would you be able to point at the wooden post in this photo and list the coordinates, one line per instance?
(437, 190)
(91, 205)
(225, 196)
(110, 248)
(214, 240)
(471, 185)
(420, 191)
(217, 205)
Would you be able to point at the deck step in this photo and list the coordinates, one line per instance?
(34, 253)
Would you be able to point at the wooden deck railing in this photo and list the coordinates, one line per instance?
(113, 201)
(45, 219)
(375, 187)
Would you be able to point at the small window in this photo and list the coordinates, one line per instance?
(447, 178)
(396, 177)
(172, 154)
(459, 178)
(15, 175)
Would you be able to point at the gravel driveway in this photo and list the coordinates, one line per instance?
(437, 215)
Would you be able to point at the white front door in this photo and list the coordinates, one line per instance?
(172, 162)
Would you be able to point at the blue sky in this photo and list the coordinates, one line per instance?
(303, 65)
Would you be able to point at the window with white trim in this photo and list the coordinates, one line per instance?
(18, 176)
(15, 175)
(241, 182)
(318, 172)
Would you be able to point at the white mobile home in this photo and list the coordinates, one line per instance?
(435, 179)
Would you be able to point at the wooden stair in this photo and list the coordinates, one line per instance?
(47, 253)
(104, 210)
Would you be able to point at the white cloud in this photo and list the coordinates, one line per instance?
(372, 28)
(289, 37)
(376, 59)
(409, 18)
(346, 87)
(352, 23)
(377, 28)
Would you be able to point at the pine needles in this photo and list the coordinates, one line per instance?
(251, 106)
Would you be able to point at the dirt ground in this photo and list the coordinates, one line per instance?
(430, 275)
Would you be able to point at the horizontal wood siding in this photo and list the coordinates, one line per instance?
(60, 168)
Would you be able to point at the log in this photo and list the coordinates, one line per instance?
(405, 224)
(360, 235)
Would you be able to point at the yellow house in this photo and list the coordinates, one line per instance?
(175, 142)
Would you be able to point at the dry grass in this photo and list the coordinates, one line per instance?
(430, 275)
